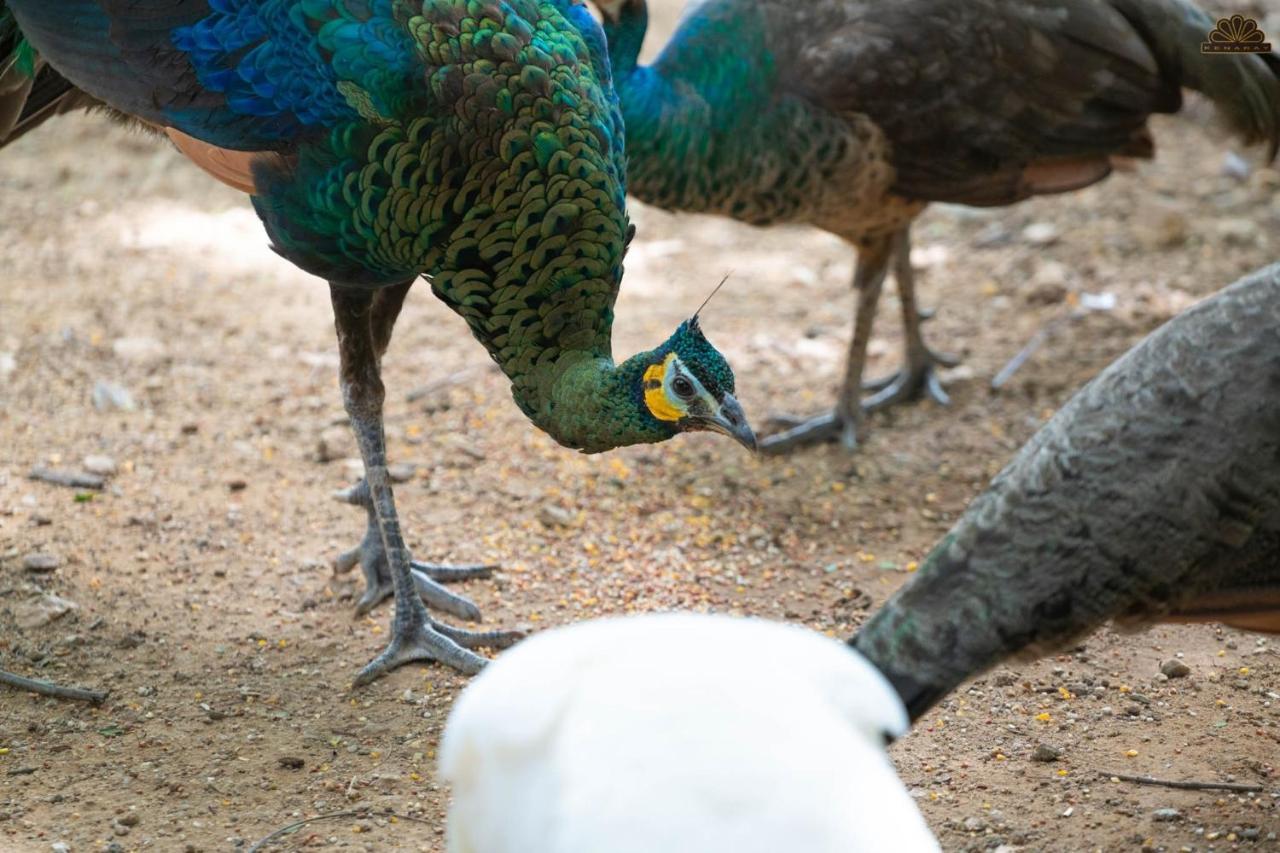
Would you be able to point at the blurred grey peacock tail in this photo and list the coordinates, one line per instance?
(476, 142)
(1152, 495)
(851, 115)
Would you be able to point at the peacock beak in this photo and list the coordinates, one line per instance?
(730, 420)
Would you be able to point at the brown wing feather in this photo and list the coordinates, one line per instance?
(978, 99)
(233, 168)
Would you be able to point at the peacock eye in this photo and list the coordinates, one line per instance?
(683, 387)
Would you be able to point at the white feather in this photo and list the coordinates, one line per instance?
(678, 732)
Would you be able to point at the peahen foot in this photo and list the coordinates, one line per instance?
(918, 377)
(428, 578)
(421, 638)
(801, 432)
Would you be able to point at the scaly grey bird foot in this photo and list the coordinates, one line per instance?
(918, 378)
(428, 578)
(433, 641)
(802, 432)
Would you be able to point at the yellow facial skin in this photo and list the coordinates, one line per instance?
(655, 392)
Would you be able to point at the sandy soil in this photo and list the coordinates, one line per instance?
(203, 597)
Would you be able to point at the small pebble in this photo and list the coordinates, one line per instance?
(974, 824)
(43, 609)
(291, 762)
(103, 466)
(61, 847)
(1235, 166)
(1041, 233)
(1175, 668)
(110, 397)
(40, 562)
(554, 516)
(1045, 753)
(1166, 815)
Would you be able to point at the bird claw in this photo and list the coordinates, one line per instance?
(923, 364)
(807, 431)
(421, 642)
(436, 641)
(918, 378)
(478, 639)
(428, 578)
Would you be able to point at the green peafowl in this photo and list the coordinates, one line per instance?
(852, 115)
(1152, 495)
(474, 142)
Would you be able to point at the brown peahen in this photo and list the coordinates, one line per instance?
(852, 115)
(1152, 495)
(474, 142)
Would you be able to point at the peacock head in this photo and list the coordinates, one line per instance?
(687, 386)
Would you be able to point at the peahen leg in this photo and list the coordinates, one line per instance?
(371, 557)
(370, 554)
(917, 375)
(844, 421)
(414, 636)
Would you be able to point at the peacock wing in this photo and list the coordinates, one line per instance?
(243, 76)
(982, 102)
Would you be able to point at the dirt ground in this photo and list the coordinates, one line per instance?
(200, 583)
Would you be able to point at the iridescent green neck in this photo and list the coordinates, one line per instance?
(686, 114)
(589, 403)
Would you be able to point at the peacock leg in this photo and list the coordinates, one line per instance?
(370, 554)
(371, 557)
(414, 636)
(918, 375)
(844, 421)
